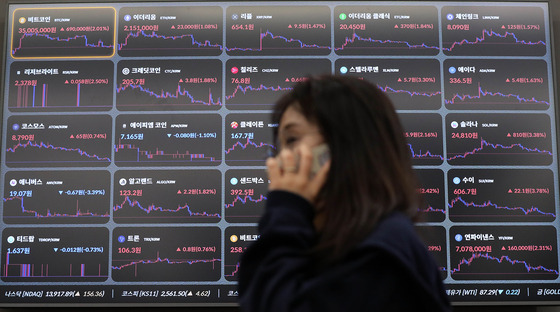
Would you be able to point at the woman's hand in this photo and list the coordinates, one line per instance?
(294, 177)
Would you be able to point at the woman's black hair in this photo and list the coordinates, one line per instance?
(371, 172)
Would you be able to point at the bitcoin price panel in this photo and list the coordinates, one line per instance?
(134, 139)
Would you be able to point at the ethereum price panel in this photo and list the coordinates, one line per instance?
(170, 31)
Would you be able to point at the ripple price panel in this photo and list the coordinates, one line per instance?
(496, 84)
(423, 133)
(493, 30)
(55, 254)
(504, 139)
(166, 254)
(410, 84)
(386, 30)
(434, 239)
(61, 86)
(58, 141)
(257, 84)
(170, 85)
(47, 197)
(496, 195)
(170, 31)
(503, 253)
(248, 139)
(237, 239)
(167, 196)
(278, 30)
(168, 140)
(245, 196)
(63, 32)
(433, 191)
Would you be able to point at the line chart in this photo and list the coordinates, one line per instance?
(48, 146)
(278, 30)
(435, 241)
(245, 195)
(496, 85)
(503, 252)
(410, 84)
(68, 258)
(237, 239)
(424, 138)
(79, 39)
(484, 145)
(57, 140)
(498, 139)
(164, 140)
(166, 260)
(382, 30)
(429, 209)
(170, 31)
(432, 190)
(423, 154)
(298, 44)
(248, 89)
(393, 44)
(248, 144)
(504, 259)
(232, 271)
(153, 208)
(499, 195)
(176, 94)
(169, 85)
(166, 254)
(248, 139)
(511, 31)
(256, 84)
(524, 211)
(66, 32)
(87, 87)
(242, 200)
(485, 93)
(49, 214)
(167, 196)
(195, 44)
(78, 197)
(160, 155)
(489, 33)
(390, 90)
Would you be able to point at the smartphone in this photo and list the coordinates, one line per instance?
(321, 154)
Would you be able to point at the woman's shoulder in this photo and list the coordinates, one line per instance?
(395, 242)
(394, 231)
(396, 238)
(390, 262)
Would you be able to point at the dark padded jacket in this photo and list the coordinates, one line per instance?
(391, 270)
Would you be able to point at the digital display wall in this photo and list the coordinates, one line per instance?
(134, 137)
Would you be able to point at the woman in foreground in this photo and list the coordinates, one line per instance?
(337, 233)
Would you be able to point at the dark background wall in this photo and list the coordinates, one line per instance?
(555, 9)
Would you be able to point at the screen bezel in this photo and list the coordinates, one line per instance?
(554, 21)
